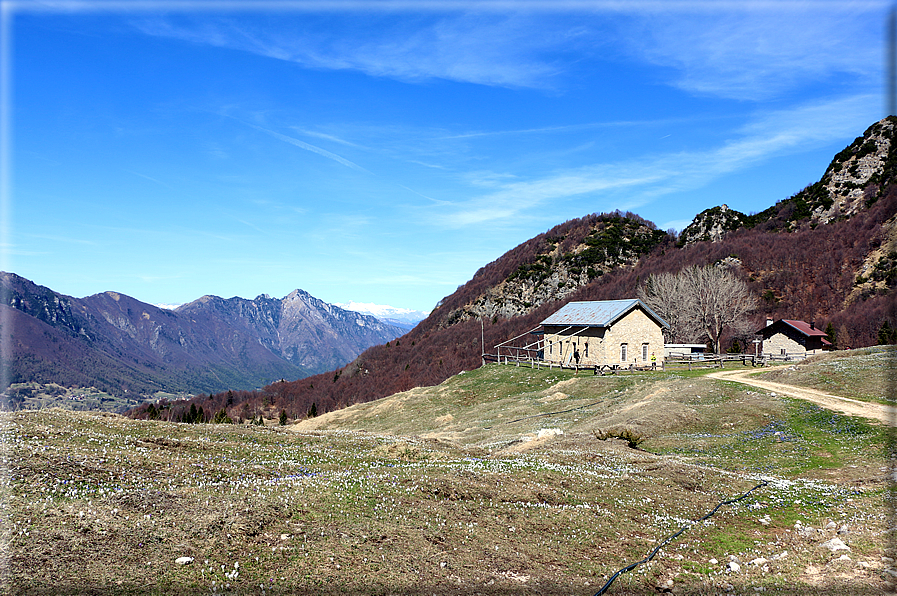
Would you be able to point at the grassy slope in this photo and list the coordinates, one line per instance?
(449, 490)
(860, 374)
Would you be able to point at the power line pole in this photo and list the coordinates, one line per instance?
(482, 343)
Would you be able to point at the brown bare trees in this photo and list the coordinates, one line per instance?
(700, 302)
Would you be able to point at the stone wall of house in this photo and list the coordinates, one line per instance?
(793, 346)
(642, 336)
(778, 342)
(599, 346)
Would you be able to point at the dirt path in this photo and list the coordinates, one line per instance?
(853, 407)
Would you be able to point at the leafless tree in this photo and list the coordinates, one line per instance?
(720, 300)
(699, 302)
(668, 295)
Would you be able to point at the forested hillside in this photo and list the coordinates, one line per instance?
(828, 254)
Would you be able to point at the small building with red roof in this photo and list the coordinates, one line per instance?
(792, 339)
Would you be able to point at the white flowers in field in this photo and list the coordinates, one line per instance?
(110, 473)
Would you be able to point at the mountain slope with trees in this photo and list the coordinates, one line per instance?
(828, 255)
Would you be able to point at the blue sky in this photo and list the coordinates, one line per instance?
(382, 152)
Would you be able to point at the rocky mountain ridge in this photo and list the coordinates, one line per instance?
(854, 180)
(300, 328)
(563, 262)
(119, 344)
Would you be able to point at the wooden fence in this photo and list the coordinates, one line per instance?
(696, 361)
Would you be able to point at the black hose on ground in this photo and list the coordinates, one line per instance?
(632, 566)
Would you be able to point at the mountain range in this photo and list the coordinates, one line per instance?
(405, 318)
(827, 254)
(120, 345)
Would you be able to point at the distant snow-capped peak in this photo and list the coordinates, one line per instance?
(167, 306)
(384, 312)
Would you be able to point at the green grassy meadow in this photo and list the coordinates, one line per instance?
(494, 482)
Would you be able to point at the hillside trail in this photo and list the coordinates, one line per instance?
(852, 407)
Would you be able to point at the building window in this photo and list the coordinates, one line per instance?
(622, 352)
(586, 350)
(644, 352)
(550, 348)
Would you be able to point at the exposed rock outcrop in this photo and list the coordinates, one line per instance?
(711, 225)
(567, 265)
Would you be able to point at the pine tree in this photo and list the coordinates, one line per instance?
(313, 410)
(831, 334)
(222, 418)
(283, 417)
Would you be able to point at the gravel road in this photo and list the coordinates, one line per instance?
(853, 407)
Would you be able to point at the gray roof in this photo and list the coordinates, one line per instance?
(599, 313)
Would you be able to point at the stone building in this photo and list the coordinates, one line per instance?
(792, 339)
(606, 332)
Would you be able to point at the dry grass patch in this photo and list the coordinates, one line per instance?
(374, 501)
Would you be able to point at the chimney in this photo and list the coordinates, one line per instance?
(812, 324)
(768, 321)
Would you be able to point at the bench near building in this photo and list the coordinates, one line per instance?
(604, 333)
(792, 339)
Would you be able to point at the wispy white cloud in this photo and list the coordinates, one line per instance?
(509, 48)
(309, 147)
(216, 151)
(754, 51)
(775, 133)
(517, 197)
(325, 136)
(561, 129)
(427, 165)
(644, 179)
(437, 201)
(742, 50)
(151, 179)
(250, 225)
(64, 239)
